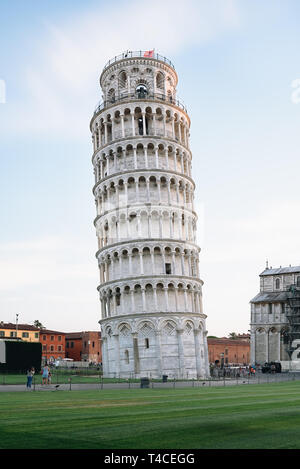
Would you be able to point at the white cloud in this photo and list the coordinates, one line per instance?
(234, 253)
(36, 263)
(62, 80)
(52, 279)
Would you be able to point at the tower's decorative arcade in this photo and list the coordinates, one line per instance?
(152, 318)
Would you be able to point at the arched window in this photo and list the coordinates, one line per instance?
(122, 80)
(141, 91)
(126, 357)
(160, 82)
(111, 95)
(277, 284)
(298, 281)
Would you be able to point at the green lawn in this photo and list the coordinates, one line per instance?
(58, 377)
(256, 416)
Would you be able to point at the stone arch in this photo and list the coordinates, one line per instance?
(160, 82)
(169, 328)
(122, 80)
(124, 329)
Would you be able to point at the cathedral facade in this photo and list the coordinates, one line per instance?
(275, 316)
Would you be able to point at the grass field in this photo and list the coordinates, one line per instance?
(58, 378)
(254, 417)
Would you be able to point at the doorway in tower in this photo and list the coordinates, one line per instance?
(141, 126)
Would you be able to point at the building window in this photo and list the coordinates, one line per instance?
(146, 343)
(36, 335)
(44, 337)
(59, 338)
(52, 338)
(51, 348)
(59, 348)
(277, 284)
(67, 345)
(2, 334)
(270, 308)
(13, 334)
(127, 357)
(168, 269)
(298, 281)
(72, 344)
(25, 335)
(44, 348)
(93, 344)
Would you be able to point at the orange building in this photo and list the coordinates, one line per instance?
(84, 346)
(53, 345)
(229, 351)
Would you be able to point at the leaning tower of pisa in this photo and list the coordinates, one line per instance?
(152, 320)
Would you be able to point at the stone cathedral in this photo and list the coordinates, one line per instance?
(275, 317)
(152, 320)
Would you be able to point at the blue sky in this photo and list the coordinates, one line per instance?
(236, 62)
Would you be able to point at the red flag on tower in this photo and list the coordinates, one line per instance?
(149, 53)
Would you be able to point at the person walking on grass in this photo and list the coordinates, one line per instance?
(45, 374)
(30, 374)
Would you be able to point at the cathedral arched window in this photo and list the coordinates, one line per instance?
(277, 284)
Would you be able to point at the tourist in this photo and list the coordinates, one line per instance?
(30, 374)
(45, 374)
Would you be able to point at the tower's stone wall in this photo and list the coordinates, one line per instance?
(152, 318)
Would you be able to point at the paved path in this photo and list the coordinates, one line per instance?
(170, 384)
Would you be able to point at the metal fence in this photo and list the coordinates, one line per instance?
(78, 380)
(135, 97)
(138, 54)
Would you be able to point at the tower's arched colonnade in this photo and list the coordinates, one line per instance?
(152, 319)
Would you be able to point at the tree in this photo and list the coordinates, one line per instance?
(232, 335)
(38, 324)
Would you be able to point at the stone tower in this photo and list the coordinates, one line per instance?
(152, 319)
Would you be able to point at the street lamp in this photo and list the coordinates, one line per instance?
(17, 319)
